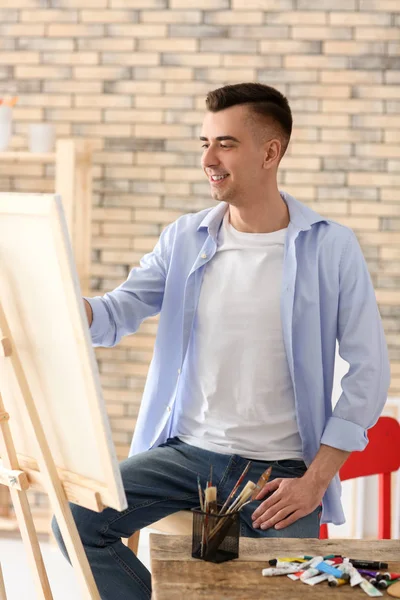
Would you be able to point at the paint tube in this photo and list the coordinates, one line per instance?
(335, 582)
(295, 576)
(289, 559)
(311, 572)
(271, 571)
(317, 579)
(387, 576)
(325, 568)
(343, 568)
(314, 561)
(369, 589)
(355, 577)
(300, 568)
(283, 564)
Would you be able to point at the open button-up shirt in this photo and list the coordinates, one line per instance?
(326, 296)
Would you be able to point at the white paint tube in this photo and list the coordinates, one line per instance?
(311, 572)
(313, 562)
(317, 579)
(369, 589)
(355, 577)
(295, 576)
(271, 571)
(283, 563)
(305, 566)
(344, 567)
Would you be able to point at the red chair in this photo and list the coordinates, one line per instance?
(380, 457)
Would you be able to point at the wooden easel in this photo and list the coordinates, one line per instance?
(2, 587)
(17, 480)
(72, 161)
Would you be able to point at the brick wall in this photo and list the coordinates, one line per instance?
(132, 76)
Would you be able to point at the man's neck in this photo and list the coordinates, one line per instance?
(264, 217)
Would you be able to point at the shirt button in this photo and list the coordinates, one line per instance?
(204, 256)
(179, 371)
(168, 408)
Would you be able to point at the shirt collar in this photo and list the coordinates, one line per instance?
(301, 217)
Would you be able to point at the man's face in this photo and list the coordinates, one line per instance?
(233, 156)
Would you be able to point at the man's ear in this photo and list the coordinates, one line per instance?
(272, 153)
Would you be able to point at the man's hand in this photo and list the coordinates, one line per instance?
(295, 498)
(291, 499)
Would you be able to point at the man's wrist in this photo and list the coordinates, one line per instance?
(325, 465)
(89, 311)
(318, 480)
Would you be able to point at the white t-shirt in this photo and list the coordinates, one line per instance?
(238, 392)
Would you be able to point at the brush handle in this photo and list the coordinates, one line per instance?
(261, 482)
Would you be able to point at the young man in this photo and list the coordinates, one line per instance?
(252, 296)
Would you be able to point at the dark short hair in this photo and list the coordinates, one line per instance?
(263, 101)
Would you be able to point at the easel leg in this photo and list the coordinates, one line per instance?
(52, 483)
(31, 544)
(23, 513)
(2, 587)
(4, 502)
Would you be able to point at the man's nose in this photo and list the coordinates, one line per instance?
(210, 157)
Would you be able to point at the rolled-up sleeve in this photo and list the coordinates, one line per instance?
(362, 344)
(121, 311)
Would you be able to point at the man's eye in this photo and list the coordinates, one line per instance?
(204, 146)
(223, 146)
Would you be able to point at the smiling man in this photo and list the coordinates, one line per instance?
(253, 295)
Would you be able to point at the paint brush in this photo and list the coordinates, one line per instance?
(211, 499)
(261, 482)
(235, 487)
(244, 495)
(210, 507)
(235, 506)
(200, 493)
(245, 504)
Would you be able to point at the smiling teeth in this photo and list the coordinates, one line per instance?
(218, 177)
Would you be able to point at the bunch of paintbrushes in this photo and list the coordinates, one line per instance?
(216, 527)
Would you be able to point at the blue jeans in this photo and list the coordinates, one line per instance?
(158, 483)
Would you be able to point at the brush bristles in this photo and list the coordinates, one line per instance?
(244, 495)
(211, 494)
(247, 491)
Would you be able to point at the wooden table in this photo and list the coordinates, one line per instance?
(178, 576)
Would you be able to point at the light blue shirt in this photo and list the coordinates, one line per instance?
(326, 295)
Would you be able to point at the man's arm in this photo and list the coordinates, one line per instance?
(295, 498)
(364, 392)
(121, 311)
(89, 312)
(362, 344)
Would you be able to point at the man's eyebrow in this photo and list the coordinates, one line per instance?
(221, 138)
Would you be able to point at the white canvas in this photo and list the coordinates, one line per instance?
(41, 298)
